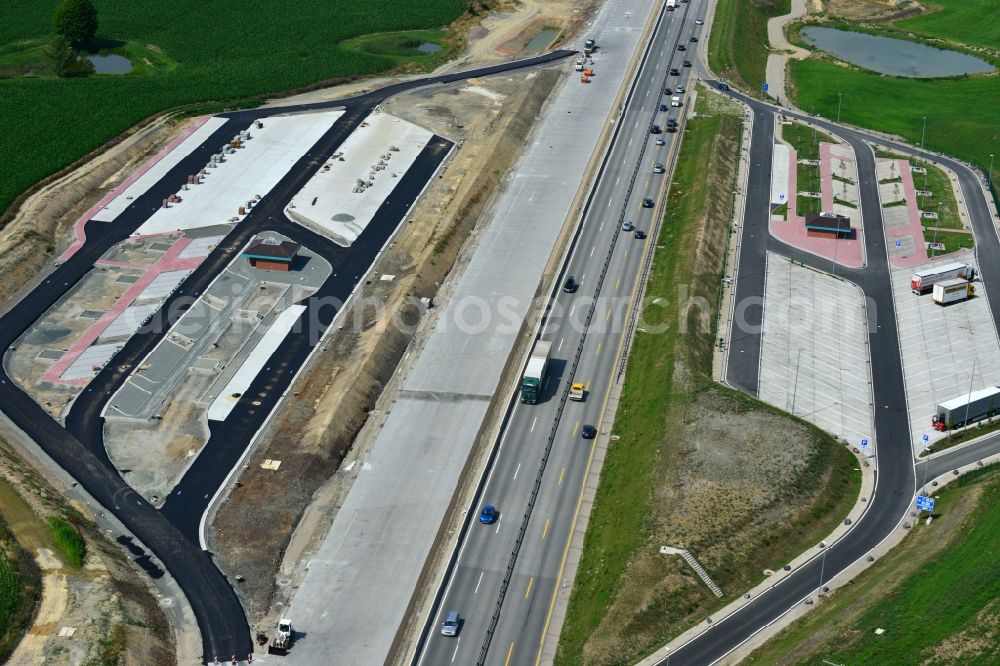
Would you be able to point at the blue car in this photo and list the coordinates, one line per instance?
(488, 515)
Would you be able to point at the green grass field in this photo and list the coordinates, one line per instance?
(20, 589)
(974, 22)
(222, 53)
(738, 47)
(935, 596)
(961, 112)
(805, 141)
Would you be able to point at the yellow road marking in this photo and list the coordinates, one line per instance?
(575, 428)
(562, 473)
(626, 255)
(608, 316)
(510, 651)
(531, 581)
(545, 530)
(619, 282)
(598, 350)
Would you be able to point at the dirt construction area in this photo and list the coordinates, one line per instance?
(315, 431)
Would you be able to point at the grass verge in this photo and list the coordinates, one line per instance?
(68, 541)
(965, 21)
(687, 442)
(20, 590)
(805, 141)
(935, 595)
(955, 438)
(738, 47)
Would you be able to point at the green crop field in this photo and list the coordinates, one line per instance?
(961, 112)
(187, 52)
(974, 22)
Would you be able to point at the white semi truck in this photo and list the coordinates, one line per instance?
(969, 408)
(923, 281)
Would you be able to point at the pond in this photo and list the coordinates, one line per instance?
(897, 57)
(110, 64)
(429, 47)
(541, 41)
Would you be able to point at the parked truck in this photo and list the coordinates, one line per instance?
(969, 408)
(953, 291)
(589, 46)
(281, 641)
(924, 281)
(534, 374)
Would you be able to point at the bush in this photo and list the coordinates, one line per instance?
(68, 541)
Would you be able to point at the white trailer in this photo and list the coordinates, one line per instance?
(924, 281)
(671, 5)
(953, 291)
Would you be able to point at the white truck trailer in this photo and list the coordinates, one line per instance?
(923, 281)
(969, 408)
(534, 375)
(953, 291)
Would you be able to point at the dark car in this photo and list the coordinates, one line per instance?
(687, 63)
(693, 39)
(655, 129)
(672, 129)
(647, 203)
(663, 107)
(723, 87)
(488, 515)
(667, 90)
(681, 47)
(588, 432)
(640, 234)
(570, 285)
(674, 71)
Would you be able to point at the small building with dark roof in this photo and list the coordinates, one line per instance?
(271, 254)
(828, 225)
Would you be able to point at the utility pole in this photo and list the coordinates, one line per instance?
(923, 132)
(822, 568)
(971, 379)
(989, 180)
(839, 100)
(795, 390)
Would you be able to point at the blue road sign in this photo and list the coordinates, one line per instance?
(864, 443)
(763, 87)
(899, 244)
(927, 438)
(925, 503)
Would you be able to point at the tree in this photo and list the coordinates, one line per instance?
(76, 20)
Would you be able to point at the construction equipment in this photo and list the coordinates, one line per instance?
(953, 291)
(281, 640)
(584, 79)
(577, 391)
(588, 72)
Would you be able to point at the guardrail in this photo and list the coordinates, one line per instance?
(564, 394)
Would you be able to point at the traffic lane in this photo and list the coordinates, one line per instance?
(743, 354)
(949, 461)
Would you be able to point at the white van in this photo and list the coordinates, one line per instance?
(675, 100)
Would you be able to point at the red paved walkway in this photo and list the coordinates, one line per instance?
(846, 252)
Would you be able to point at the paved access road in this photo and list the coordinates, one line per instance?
(171, 534)
(505, 597)
(895, 488)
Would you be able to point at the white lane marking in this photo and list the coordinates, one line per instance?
(592, 250)
(531, 429)
(479, 582)
(572, 309)
(602, 221)
(498, 524)
(455, 653)
(519, 464)
(559, 348)
(617, 180)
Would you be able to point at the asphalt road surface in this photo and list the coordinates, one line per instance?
(505, 575)
(77, 448)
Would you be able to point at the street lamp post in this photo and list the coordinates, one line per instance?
(923, 132)
(989, 180)
(822, 568)
(839, 100)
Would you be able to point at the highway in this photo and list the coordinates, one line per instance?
(77, 447)
(505, 576)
